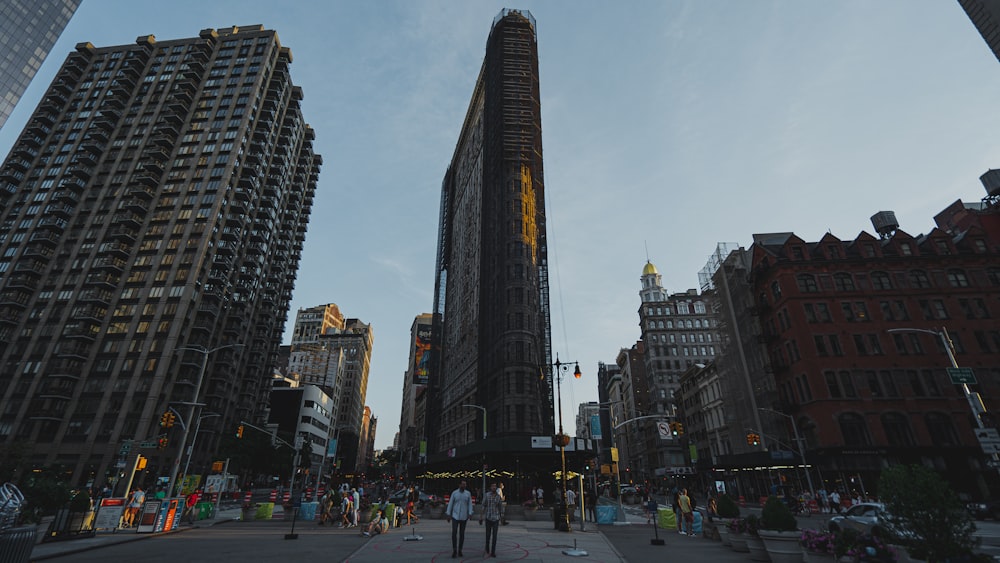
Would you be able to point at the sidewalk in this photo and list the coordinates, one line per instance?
(519, 541)
(49, 550)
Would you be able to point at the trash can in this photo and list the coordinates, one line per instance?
(696, 526)
(203, 510)
(607, 514)
(308, 511)
(666, 519)
(559, 517)
(265, 511)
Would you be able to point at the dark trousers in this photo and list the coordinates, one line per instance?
(458, 534)
(492, 528)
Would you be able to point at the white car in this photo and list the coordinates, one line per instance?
(863, 517)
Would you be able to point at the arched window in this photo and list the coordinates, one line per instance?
(854, 430)
(897, 429)
(806, 283)
(881, 280)
(919, 279)
(941, 429)
(843, 281)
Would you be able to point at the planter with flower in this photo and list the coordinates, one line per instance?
(737, 535)
(727, 511)
(435, 508)
(779, 530)
(751, 535)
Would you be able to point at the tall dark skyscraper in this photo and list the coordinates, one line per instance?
(985, 15)
(152, 215)
(28, 30)
(491, 321)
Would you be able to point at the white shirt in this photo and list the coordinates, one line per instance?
(459, 505)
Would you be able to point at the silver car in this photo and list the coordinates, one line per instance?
(863, 517)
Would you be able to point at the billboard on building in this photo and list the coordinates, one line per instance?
(422, 354)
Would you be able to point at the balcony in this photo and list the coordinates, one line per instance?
(45, 237)
(52, 224)
(140, 192)
(38, 251)
(73, 350)
(110, 263)
(128, 218)
(96, 296)
(10, 315)
(115, 248)
(105, 280)
(83, 331)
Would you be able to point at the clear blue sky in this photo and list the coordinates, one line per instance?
(667, 125)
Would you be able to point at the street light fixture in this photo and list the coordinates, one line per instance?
(205, 352)
(563, 439)
(482, 494)
(798, 441)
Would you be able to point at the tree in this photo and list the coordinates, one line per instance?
(924, 515)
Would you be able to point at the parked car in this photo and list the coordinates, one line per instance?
(399, 498)
(865, 517)
(985, 509)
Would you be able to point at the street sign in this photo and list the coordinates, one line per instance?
(989, 440)
(147, 445)
(962, 375)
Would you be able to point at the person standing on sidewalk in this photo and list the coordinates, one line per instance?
(458, 513)
(687, 513)
(492, 505)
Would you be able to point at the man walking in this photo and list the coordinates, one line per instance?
(491, 512)
(458, 513)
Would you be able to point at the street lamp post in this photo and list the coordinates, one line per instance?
(975, 402)
(798, 441)
(194, 440)
(563, 439)
(205, 352)
(482, 494)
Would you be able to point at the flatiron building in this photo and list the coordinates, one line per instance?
(152, 215)
(490, 336)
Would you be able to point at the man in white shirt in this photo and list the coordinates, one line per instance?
(458, 513)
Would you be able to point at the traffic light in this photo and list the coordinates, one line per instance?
(168, 419)
(675, 429)
(753, 439)
(141, 463)
(680, 429)
(161, 443)
(239, 431)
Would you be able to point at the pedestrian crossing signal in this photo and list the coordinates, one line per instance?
(239, 431)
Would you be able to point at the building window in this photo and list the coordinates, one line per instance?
(957, 278)
(941, 429)
(832, 387)
(854, 430)
(874, 387)
(843, 282)
(897, 430)
(881, 280)
(919, 279)
(847, 385)
(807, 283)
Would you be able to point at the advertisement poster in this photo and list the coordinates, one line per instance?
(147, 517)
(422, 354)
(109, 513)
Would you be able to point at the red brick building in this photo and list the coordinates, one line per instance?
(865, 393)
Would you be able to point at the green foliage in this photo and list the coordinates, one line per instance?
(752, 525)
(777, 516)
(924, 514)
(727, 507)
(80, 502)
(45, 491)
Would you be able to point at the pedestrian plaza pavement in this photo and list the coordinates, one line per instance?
(430, 540)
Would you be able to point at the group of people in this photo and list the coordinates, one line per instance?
(460, 511)
(349, 502)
